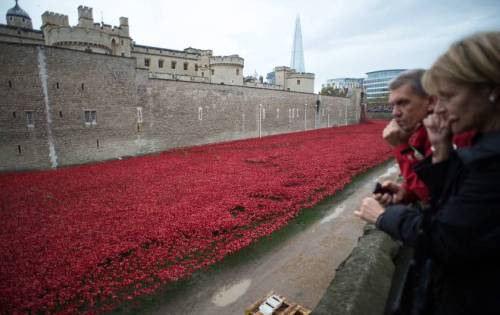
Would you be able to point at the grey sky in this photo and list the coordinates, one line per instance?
(341, 38)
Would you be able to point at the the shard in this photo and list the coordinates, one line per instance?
(297, 50)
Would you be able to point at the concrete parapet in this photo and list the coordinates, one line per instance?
(362, 282)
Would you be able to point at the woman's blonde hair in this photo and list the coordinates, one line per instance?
(472, 60)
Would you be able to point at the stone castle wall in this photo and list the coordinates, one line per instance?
(135, 114)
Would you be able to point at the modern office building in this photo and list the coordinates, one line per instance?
(377, 83)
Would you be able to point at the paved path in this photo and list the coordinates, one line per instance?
(301, 267)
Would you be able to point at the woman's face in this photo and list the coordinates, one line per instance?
(466, 106)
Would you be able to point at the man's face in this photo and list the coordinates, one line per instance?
(409, 109)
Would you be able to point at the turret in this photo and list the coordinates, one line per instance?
(18, 17)
(85, 17)
(54, 19)
(124, 25)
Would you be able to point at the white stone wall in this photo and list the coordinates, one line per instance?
(167, 58)
(227, 74)
(82, 38)
(300, 82)
(17, 35)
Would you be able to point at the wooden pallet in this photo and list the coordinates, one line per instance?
(287, 308)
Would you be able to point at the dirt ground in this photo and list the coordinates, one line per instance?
(298, 263)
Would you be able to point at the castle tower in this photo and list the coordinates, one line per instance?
(85, 17)
(18, 17)
(297, 50)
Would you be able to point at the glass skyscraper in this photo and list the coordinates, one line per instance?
(377, 83)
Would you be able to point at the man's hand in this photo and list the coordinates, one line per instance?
(396, 193)
(369, 210)
(394, 135)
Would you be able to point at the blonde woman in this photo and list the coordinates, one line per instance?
(464, 228)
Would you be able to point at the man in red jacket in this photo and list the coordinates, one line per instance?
(406, 134)
(408, 137)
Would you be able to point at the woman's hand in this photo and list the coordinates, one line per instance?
(369, 210)
(439, 132)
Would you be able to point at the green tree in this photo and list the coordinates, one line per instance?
(333, 91)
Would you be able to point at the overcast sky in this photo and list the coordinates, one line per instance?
(341, 38)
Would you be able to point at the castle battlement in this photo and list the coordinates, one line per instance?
(189, 64)
(56, 19)
(227, 60)
(85, 12)
(123, 21)
(298, 75)
(190, 53)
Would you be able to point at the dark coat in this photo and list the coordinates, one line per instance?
(465, 229)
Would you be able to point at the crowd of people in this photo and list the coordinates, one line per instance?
(445, 133)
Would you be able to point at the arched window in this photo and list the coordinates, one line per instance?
(114, 48)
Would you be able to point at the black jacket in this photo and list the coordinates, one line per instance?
(465, 229)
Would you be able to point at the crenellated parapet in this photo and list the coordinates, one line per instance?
(300, 75)
(233, 60)
(86, 35)
(54, 19)
(85, 17)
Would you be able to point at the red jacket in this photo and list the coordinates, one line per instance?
(409, 154)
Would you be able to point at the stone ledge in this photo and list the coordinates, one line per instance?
(362, 282)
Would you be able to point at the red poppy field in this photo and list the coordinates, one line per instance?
(87, 238)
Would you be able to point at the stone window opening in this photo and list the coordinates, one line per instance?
(203, 74)
(139, 115)
(83, 86)
(213, 71)
(123, 54)
(30, 120)
(60, 114)
(146, 62)
(237, 71)
(186, 66)
(160, 63)
(10, 84)
(14, 114)
(298, 82)
(173, 64)
(200, 113)
(57, 85)
(195, 67)
(90, 117)
(19, 149)
(97, 143)
(121, 41)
